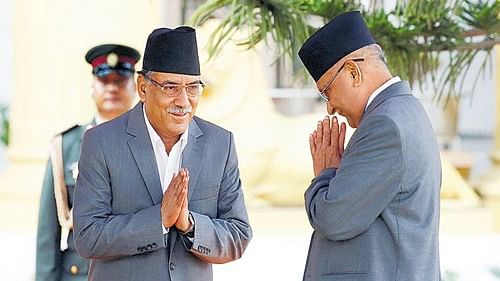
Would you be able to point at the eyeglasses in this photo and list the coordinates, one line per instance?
(322, 93)
(175, 90)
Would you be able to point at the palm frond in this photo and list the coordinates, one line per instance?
(413, 35)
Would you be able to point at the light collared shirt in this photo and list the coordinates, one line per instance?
(167, 164)
(379, 90)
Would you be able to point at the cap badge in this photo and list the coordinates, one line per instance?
(112, 59)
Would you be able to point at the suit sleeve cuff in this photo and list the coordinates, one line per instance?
(203, 223)
(325, 174)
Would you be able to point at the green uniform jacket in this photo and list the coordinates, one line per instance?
(52, 264)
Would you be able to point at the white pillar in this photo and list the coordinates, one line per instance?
(489, 187)
(51, 79)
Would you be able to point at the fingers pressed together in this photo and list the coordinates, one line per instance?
(327, 144)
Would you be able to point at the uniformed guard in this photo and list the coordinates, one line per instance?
(113, 90)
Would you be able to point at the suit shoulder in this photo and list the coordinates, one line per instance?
(380, 120)
(404, 109)
(70, 129)
(117, 124)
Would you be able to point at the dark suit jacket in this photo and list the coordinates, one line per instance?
(118, 196)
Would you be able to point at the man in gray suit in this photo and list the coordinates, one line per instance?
(374, 206)
(137, 214)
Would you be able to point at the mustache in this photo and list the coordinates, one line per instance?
(179, 110)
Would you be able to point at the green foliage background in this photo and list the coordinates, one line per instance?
(412, 35)
(4, 125)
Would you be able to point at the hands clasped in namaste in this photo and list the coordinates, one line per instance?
(174, 205)
(327, 144)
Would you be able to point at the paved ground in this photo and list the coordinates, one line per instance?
(277, 252)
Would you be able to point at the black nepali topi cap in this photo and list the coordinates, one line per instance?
(338, 38)
(172, 51)
(112, 57)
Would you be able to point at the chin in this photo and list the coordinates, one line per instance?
(116, 107)
(178, 129)
(351, 123)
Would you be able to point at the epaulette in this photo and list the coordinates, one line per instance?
(69, 129)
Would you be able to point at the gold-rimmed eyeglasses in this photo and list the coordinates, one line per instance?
(322, 93)
(174, 90)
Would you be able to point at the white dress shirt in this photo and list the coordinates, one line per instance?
(167, 164)
(379, 90)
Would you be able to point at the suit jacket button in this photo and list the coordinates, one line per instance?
(172, 266)
(73, 269)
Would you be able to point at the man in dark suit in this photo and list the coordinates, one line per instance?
(113, 91)
(374, 206)
(158, 194)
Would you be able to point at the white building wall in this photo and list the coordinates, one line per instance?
(6, 52)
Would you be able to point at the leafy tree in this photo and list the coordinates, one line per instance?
(412, 35)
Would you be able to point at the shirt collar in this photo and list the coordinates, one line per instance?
(155, 138)
(380, 89)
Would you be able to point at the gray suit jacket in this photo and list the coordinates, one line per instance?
(117, 220)
(376, 217)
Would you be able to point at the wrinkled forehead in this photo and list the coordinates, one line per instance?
(176, 78)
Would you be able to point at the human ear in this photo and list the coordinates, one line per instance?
(141, 87)
(354, 72)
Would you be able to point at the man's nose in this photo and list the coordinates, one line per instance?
(182, 98)
(112, 86)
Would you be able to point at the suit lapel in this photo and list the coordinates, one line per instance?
(192, 155)
(142, 151)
